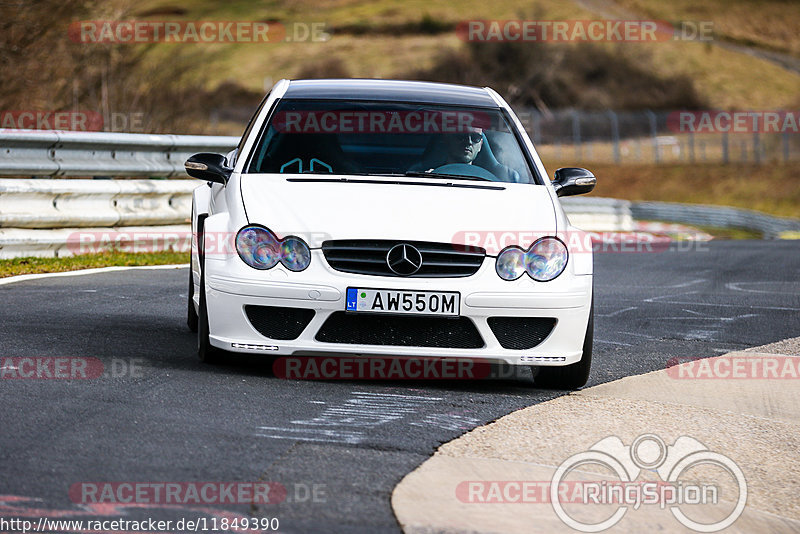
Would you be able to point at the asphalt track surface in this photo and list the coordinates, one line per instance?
(176, 420)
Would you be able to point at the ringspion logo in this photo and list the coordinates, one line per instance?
(679, 489)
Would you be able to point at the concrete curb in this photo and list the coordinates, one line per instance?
(751, 421)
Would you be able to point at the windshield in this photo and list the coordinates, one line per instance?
(382, 138)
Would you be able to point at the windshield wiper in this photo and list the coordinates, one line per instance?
(425, 174)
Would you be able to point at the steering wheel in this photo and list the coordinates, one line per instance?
(466, 170)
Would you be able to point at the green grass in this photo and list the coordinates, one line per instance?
(33, 265)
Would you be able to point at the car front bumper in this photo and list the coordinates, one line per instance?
(231, 285)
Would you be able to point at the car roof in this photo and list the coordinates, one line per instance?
(390, 90)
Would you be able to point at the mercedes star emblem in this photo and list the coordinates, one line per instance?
(404, 260)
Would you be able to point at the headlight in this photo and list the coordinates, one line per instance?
(510, 263)
(295, 254)
(257, 247)
(260, 249)
(544, 261)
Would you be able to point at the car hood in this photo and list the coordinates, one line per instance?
(490, 215)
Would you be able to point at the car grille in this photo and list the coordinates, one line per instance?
(521, 333)
(439, 260)
(277, 322)
(419, 331)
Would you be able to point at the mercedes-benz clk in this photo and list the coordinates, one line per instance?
(394, 219)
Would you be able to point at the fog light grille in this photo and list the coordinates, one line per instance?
(520, 333)
(276, 322)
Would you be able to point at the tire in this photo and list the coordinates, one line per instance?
(191, 313)
(205, 350)
(574, 375)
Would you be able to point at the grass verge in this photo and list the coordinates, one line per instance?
(33, 265)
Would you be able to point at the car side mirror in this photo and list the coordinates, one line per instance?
(573, 181)
(208, 167)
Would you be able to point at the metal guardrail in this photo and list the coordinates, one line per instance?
(716, 216)
(62, 203)
(57, 153)
(37, 217)
(599, 214)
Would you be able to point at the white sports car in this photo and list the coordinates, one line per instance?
(390, 218)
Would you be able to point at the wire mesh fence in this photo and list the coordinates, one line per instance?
(661, 137)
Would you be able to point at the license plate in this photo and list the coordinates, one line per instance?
(400, 301)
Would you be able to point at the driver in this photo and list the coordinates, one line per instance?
(458, 148)
(464, 147)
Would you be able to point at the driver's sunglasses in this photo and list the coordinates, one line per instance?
(474, 137)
